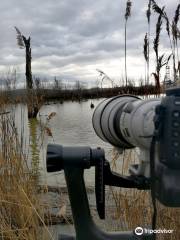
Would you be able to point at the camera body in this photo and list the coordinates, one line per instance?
(167, 162)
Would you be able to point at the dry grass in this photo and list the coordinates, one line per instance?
(134, 208)
(21, 212)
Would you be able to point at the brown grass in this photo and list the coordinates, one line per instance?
(21, 211)
(134, 207)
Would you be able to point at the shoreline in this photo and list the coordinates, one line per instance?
(19, 95)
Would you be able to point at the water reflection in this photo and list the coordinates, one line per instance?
(72, 125)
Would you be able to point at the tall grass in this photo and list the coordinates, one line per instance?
(126, 16)
(173, 34)
(133, 207)
(21, 211)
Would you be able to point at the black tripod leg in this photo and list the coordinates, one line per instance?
(66, 237)
(85, 228)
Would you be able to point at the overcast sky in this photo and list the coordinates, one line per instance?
(73, 38)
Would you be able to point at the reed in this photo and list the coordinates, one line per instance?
(146, 57)
(21, 211)
(126, 16)
(176, 36)
(134, 208)
(148, 15)
(173, 34)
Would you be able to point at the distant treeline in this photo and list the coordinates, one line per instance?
(80, 94)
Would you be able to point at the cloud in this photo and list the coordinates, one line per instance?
(72, 38)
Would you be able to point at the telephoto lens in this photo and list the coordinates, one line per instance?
(125, 121)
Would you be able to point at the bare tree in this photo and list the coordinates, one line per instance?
(32, 98)
(24, 42)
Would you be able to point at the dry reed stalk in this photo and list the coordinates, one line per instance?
(134, 208)
(173, 34)
(146, 42)
(128, 9)
(148, 15)
(127, 15)
(146, 56)
(158, 30)
(176, 36)
(21, 212)
(175, 22)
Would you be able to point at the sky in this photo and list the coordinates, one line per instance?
(70, 39)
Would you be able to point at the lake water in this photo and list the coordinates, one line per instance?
(71, 125)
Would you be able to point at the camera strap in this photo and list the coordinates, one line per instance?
(152, 170)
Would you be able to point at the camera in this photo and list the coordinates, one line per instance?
(125, 121)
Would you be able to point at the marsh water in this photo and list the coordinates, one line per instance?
(71, 125)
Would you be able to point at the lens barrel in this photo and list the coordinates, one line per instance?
(106, 120)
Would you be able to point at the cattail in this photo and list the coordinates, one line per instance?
(168, 26)
(148, 12)
(175, 22)
(156, 8)
(177, 13)
(158, 30)
(161, 11)
(128, 9)
(127, 15)
(146, 42)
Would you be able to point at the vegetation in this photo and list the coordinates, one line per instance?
(22, 212)
(161, 60)
(134, 208)
(127, 15)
